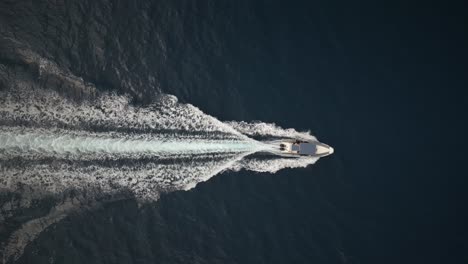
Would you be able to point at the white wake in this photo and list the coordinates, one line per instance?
(40, 143)
(108, 146)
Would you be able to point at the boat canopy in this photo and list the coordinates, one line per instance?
(305, 148)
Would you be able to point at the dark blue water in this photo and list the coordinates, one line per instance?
(383, 83)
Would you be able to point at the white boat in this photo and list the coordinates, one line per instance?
(303, 148)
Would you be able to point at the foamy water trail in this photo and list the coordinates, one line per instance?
(269, 130)
(109, 147)
(42, 143)
(274, 165)
(110, 113)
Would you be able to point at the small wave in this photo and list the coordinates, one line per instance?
(269, 130)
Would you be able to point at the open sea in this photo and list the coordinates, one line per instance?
(147, 131)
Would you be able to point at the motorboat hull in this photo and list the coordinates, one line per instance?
(302, 148)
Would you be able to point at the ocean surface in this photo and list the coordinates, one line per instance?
(147, 131)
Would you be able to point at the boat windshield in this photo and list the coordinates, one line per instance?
(307, 149)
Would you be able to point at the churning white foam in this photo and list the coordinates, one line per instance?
(42, 143)
(42, 126)
(269, 130)
(53, 145)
